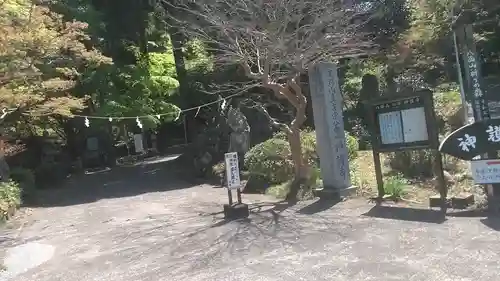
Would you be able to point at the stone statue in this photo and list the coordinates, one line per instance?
(239, 139)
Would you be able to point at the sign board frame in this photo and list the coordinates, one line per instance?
(400, 104)
(233, 180)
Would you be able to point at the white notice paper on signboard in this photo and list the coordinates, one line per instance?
(414, 124)
(391, 130)
(486, 171)
(232, 170)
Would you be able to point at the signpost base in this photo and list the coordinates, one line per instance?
(436, 201)
(236, 211)
(334, 193)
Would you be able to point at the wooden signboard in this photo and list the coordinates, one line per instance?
(403, 122)
(232, 170)
(473, 140)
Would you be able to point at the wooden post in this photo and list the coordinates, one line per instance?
(465, 45)
(378, 174)
(238, 194)
(441, 182)
(185, 129)
(230, 196)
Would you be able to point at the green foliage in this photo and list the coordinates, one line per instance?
(395, 186)
(448, 107)
(354, 72)
(42, 58)
(271, 160)
(354, 174)
(352, 146)
(279, 191)
(135, 91)
(412, 164)
(10, 197)
(197, 57)
(162, 64)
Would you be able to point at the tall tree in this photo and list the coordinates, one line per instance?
(274, 42)
(41, 60)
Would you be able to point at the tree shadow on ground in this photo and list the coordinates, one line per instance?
(472, 213)
(407, 214)
(319, 206)
(111, 183)
(491, 222)
(276, 226)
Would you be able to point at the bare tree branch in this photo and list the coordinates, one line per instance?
(290, 35)
(274, 41)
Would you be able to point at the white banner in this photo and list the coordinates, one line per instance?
(232, 170)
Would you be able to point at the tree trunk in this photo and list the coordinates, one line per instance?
(298, 163)
(295, 141)
(292, 92)
(4, 168)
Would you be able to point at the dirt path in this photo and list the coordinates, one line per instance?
(143, 224)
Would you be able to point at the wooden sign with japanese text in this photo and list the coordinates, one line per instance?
(232, 170)
(486, 171)
(478, 101)
(473, 140)
(403, 122)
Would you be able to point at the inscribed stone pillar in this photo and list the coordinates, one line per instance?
(328, 119)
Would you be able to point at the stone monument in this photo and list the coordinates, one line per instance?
(239, 139)
(327, 106)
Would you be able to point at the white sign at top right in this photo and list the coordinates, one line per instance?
(414, 124)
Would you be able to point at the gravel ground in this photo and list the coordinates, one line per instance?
(142, 223)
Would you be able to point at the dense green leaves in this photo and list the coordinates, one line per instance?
(41, 59)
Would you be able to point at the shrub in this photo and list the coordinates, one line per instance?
(395, 186)
(352, 146)
(412, 163)
(280, 190)
(271, 160)
(10, 198)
